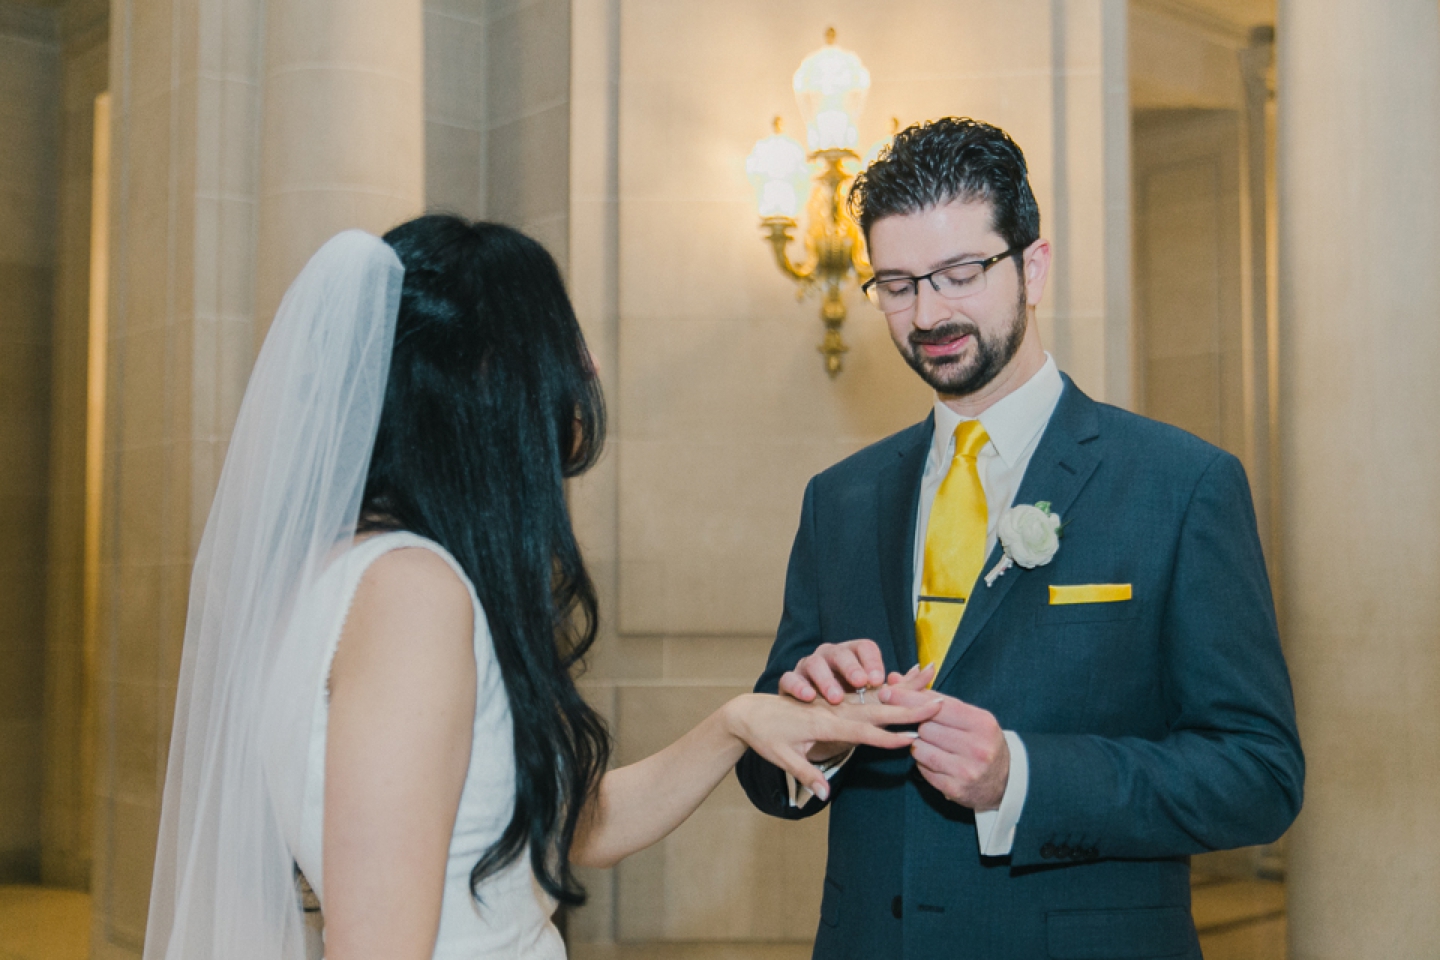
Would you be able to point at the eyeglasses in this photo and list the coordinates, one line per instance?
(955, 282)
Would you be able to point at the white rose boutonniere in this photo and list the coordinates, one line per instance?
(1029, 535)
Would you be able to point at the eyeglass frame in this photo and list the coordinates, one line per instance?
(984, 266)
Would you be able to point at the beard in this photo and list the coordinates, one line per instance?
(960, 376)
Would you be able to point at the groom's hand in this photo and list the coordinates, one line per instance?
(961, 751)
(840, 670)
(833, 670)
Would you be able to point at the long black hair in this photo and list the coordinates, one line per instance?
(492, 402)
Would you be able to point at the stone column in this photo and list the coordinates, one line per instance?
(1359, 156)
(209, 222)
(184, 135)
(342, 132)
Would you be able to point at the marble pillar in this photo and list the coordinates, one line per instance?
(209, 222)
(1359, 151)
(343, 130)
(179, 343)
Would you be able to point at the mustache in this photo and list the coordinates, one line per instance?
(944, 332)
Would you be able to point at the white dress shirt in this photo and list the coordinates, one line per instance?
(1014, 425)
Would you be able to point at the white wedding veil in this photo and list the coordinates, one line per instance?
(289, 497)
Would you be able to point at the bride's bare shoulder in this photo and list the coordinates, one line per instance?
(415, 574)
(410, 605)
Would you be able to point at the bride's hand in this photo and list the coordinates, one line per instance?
(913, 679)
(783, 730)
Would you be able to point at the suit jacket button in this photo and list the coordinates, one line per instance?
(1063, 852)
(1048, 851)
(897, 907)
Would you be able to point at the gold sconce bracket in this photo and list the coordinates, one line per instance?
(833, 250)
(780, 230)
(830, 88)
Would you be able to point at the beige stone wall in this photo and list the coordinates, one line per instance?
(720, 406)
(1359, 147)
(497, 114)
(1182, 60)
(527, 119)
(456, 53)
(29, 102)
(1187, 272)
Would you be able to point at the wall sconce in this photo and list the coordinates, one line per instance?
(830, 87)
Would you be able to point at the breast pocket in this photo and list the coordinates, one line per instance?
(1087, 604)
(1096, 657)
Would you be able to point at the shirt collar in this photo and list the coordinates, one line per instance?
(1012, 423)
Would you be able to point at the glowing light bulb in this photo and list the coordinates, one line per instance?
(830, 87)
(780, 174)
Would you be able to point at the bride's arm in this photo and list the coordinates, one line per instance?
(402, 710)
(637, 805)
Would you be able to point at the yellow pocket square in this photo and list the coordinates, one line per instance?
(1090, 593)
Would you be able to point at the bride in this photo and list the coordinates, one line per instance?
(386, 613)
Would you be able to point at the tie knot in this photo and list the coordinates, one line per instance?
(970, 438)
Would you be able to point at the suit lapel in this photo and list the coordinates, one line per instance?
(898, 500)
(1058, 471)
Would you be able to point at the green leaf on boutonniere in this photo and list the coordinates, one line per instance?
(1043, 505)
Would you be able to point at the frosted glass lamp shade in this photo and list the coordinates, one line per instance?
(780, 174)
(830, 87)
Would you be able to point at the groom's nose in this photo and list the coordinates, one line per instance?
(930, 308)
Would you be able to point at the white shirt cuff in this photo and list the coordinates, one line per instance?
(801, 794)
(996, 828)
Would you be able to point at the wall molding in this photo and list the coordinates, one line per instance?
(1217, 28)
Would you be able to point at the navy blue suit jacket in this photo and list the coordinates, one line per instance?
(1156, 727)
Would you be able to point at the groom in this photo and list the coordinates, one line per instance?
(1088, 586)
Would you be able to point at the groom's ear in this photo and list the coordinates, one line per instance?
(1035, 270)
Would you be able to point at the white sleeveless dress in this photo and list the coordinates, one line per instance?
(511, 918)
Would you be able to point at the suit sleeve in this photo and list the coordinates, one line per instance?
(1229, 771)
(798, 636)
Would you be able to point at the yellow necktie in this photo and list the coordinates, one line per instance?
(954, 547)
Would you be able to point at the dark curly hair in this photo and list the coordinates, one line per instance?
(954, 158)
